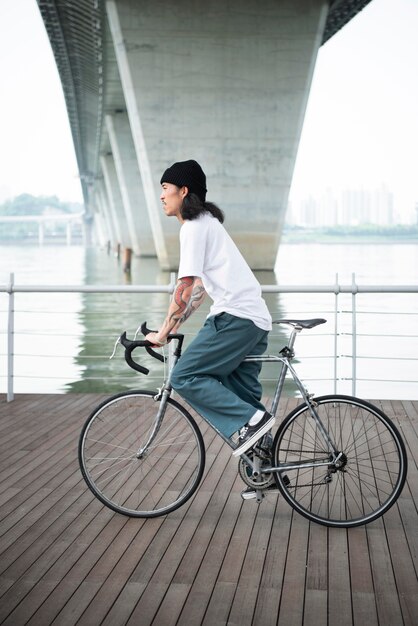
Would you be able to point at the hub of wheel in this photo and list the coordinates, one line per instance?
(341, 461)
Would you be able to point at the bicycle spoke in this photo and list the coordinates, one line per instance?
(131, 479)
(372, 458)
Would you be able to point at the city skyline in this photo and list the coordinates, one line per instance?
(349, 207)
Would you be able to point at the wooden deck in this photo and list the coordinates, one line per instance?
(66, 559)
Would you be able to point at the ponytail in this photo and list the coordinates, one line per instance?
(193, 206)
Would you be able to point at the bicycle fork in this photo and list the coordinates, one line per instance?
(162, 396)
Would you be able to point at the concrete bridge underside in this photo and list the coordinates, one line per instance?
(226, 83)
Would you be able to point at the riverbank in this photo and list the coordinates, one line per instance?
(352, 235)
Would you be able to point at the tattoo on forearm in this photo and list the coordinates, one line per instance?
(188, 296)
(196, 299)
(183, 286)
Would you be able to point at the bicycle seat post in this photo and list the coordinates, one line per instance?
(295, 331)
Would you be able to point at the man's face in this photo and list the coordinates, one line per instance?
(172, 199)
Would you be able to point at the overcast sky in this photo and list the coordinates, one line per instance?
(360, 130)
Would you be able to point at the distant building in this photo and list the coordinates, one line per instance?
(351, 207)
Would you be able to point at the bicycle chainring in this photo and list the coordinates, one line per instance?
(256, 482)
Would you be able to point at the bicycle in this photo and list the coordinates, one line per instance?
(336, 459)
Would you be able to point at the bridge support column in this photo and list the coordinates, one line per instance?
(225, 83)
(100, 229)
(130, 184)
(102, 203)
(123, 234)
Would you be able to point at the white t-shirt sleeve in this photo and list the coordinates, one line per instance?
(192, 249)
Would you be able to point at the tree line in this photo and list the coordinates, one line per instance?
(27, 205)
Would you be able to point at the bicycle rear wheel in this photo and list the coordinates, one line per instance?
(374, 462)
(154, 483)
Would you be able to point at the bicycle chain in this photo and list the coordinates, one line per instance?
(251, 483)
(323, 482)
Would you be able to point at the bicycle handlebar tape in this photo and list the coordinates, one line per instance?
(132, 363)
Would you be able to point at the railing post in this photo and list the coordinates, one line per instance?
(354, 291)
(10, 340)
(336, 291)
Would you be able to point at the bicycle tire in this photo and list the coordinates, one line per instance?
(159, 482)
(375, 462)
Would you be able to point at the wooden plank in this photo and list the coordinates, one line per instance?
(68, 583)
(387, 597)
(219, 605)
(118, 594)
(183, 556)
(160, 545)
(73, 550)
(271, 585)
(315, 609)
(43, 460)
(216, 560)
(339, 594)
(316, 596)
(203, 582)
(122, 608)
(403, 566)
(245, 599)
(293, 592)
(361, 578)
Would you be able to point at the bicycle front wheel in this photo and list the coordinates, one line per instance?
(136, 482)
(373, 462)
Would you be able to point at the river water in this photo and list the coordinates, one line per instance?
(63, 341)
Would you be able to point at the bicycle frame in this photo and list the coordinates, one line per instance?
(287, 354)
(285, 357)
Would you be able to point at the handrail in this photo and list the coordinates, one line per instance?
(336, 288)
(13, 288)
(355, 289)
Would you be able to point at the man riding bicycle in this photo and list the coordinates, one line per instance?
(211, 374)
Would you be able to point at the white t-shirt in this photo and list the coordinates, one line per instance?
(207, 251)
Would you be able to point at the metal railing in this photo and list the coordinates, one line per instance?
(337, 332)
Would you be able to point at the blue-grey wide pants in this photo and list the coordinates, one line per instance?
(212, 377)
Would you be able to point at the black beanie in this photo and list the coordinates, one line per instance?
(187, 174)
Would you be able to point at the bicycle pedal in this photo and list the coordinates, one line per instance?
(252, 494)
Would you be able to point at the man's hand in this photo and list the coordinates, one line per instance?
(156, 339)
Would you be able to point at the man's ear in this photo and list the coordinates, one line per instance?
(184, 191)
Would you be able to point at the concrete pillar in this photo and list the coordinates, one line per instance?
(130, 184)
(225, 83)
(104, 210)
(100, 230)
(87, 226)
(115, 200)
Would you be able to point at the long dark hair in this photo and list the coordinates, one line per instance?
(193, 206)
